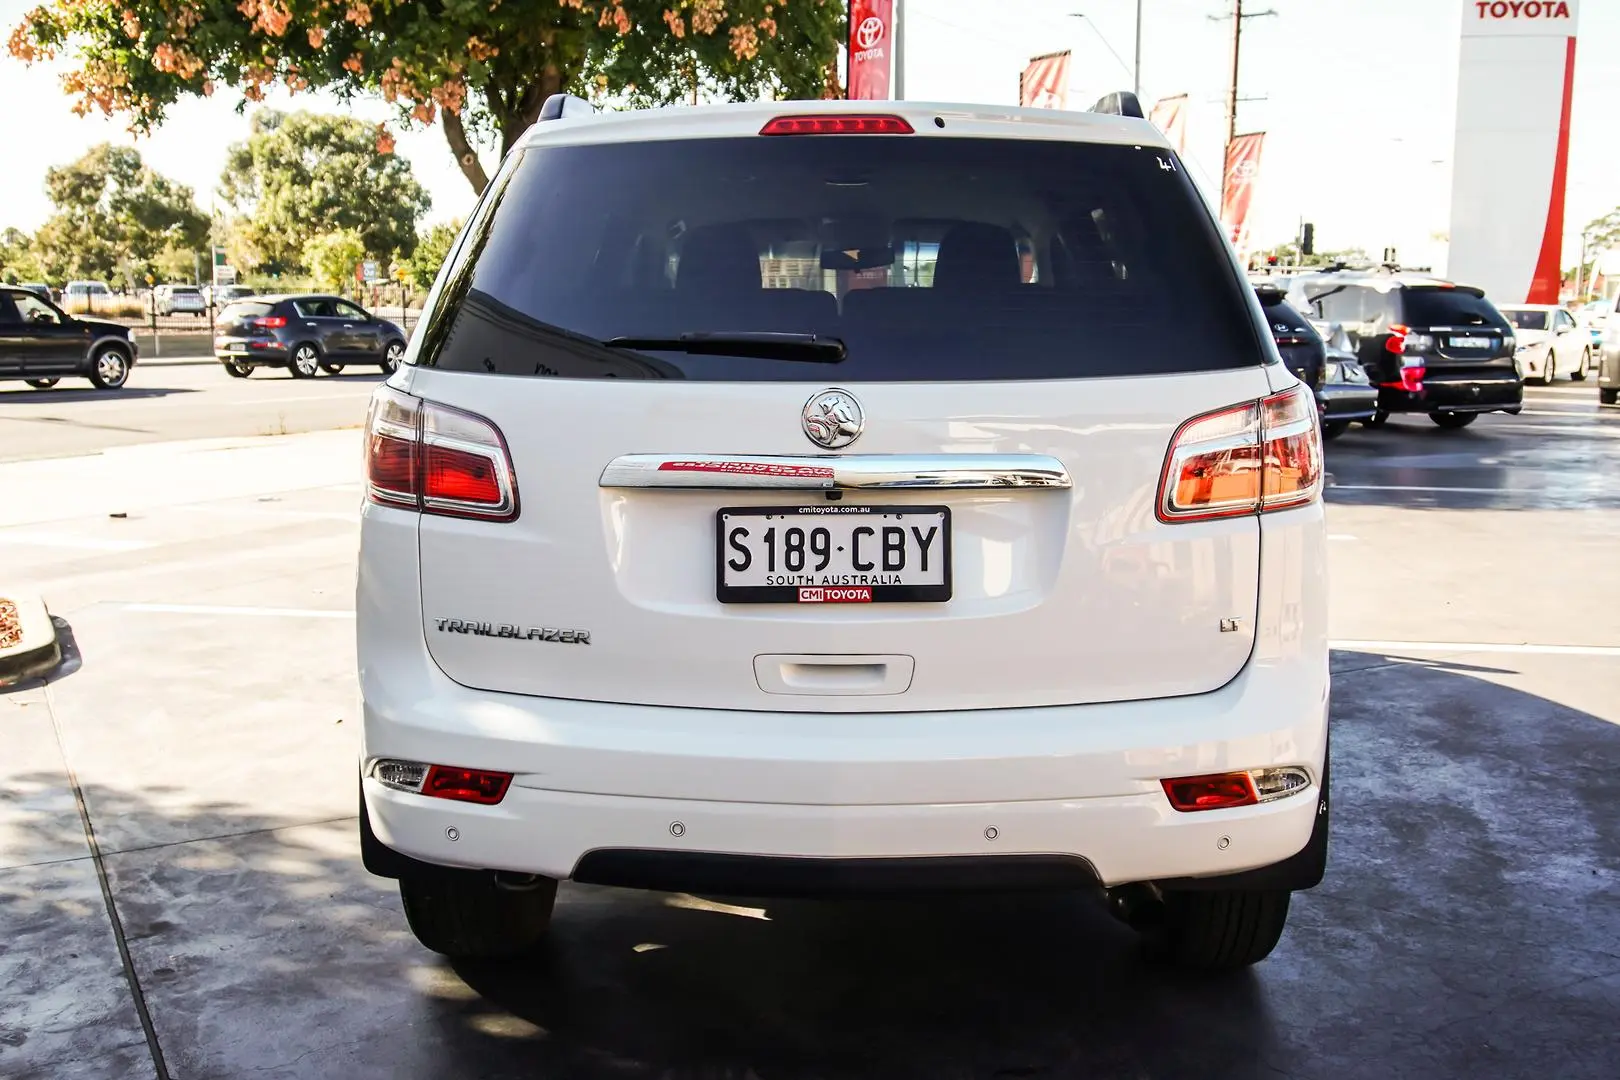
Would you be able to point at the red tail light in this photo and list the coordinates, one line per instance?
(1211, 792)
(1250, 458)
(437, 460)
(847, 124)
(443, 781)
(1412, 371)
(268, 322)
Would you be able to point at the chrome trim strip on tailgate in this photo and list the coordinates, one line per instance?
(850, 472)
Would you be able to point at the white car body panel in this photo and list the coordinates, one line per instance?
(1081, 659)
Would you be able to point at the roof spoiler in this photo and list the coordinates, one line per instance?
(565, 107)
(1120, 103)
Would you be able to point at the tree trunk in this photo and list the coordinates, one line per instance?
(466, 157)
(526, 106)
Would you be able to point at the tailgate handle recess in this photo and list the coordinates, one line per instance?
(823, 675)
(771, 472)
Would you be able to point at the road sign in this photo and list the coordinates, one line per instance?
(224, 275)
(373, 271)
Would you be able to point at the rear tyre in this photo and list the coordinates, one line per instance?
(109, 369)
(1609, 395)
(236, 369)
(331, 368)
(465, 914)
(1453, 420)
(305, 361)
(43, 384)
(1332, 429)
(1579, 374)
(1221, 930)
(1379, 419)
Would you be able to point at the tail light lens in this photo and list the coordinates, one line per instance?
(1401, 342)
(1250, 458)
(268, 322)
(1223, 790)
(437, 460)
(443, 781)
(838, 125)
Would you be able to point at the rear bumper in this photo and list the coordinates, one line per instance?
(1455, 393)
(258, 351)
(604, 784)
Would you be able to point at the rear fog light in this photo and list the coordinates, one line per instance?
(1221, 791)
(480, 786)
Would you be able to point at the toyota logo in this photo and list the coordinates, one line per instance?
(833, 418)
(870, 32)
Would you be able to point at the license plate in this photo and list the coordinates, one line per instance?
(237, 349)
(1471, 343)
(833, 554)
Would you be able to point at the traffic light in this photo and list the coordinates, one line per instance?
(1307, 239)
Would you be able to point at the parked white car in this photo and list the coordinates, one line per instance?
(179, 299)
(847, 515)
(86, 296)
(1550, 342)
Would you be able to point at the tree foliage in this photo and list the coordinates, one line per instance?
(432, 248)
(483, 67)
(301, 175)
(116, 219)
(17, 259)
(332, 257)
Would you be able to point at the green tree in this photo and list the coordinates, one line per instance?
(482, 67)
(332, 257)
(17, 259)
(113, 211)
(432, 248)
(301, 175)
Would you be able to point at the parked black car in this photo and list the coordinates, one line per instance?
(305, 334)
(1430, 346)
(1297, 340)
(1347, 394)
(41, 344)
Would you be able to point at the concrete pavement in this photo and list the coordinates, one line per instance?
(180, 893)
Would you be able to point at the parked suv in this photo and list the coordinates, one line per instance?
(40, 343)
(1431, 346)
(305, 334)
(846, 515)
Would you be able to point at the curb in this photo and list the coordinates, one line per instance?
(38, 652)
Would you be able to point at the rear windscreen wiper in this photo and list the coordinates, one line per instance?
(808, 348)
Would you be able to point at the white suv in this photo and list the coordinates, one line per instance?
(794, 498)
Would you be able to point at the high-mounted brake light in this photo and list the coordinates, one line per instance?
(437, 460)
(849, 124)
(1251, 458)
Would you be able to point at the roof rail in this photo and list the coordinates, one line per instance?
(565, 107)
(1120, 103)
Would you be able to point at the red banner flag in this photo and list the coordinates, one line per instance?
(1045, 82)
(1237, 188)
(1169, 115)
(871, 26)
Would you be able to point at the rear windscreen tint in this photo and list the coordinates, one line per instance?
(237, 312)
(1423, 306)
(930, 258)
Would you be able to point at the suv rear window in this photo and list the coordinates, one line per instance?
(930, 258)
(1422, 306)
(245, 310)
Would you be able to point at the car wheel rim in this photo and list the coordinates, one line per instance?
(111, 367)
(306, 360)
(395, 354)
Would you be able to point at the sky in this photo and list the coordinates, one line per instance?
(1357, 97)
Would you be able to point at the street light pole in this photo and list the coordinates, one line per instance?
(1136, 61)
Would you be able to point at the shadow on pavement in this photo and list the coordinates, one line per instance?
(1469, 925)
